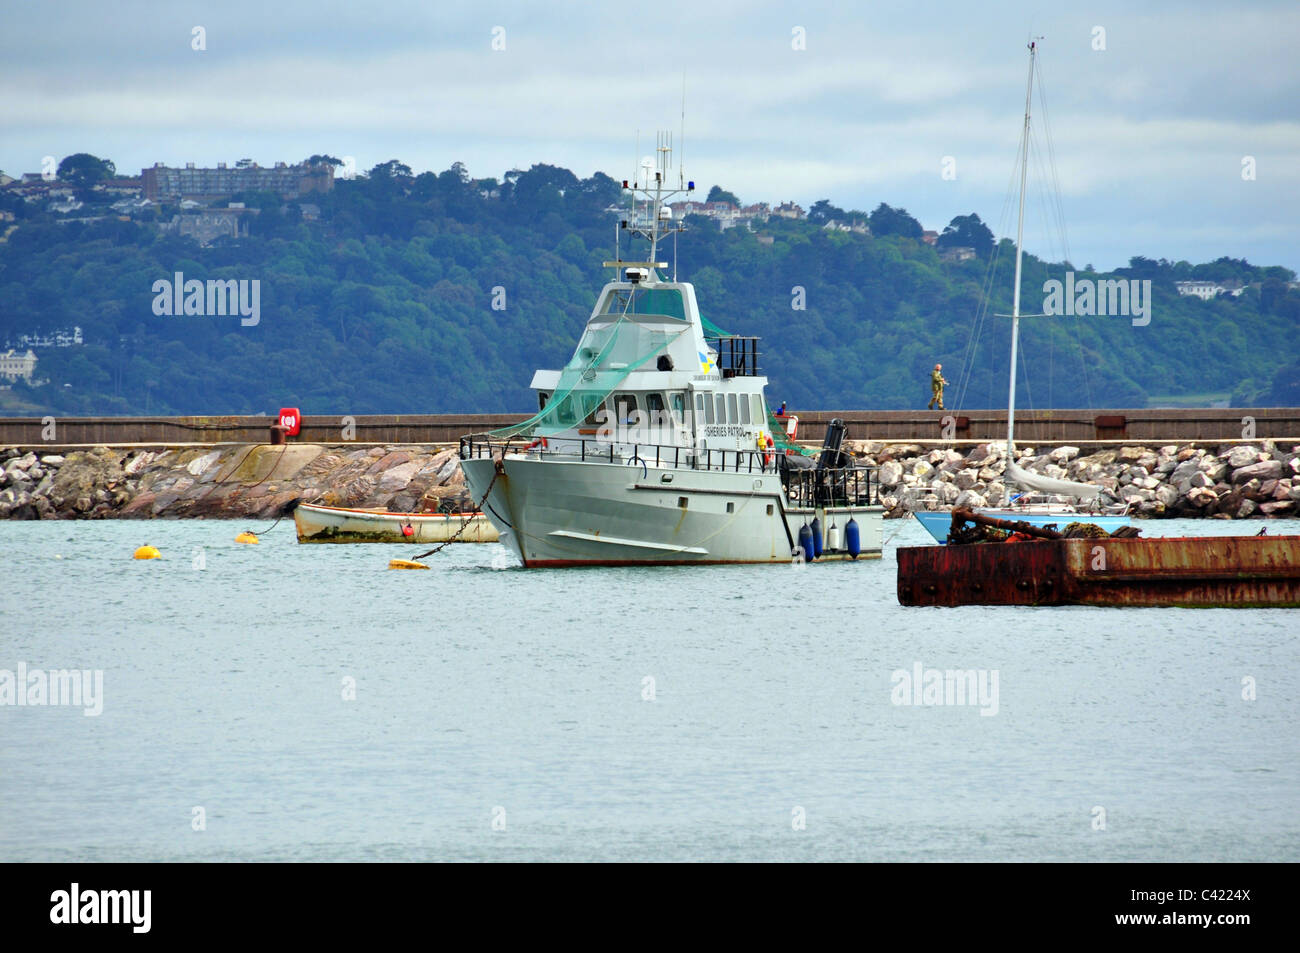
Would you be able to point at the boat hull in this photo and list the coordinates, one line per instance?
(335, 524)
(555, 513)
(938, 522)
(1246, 572)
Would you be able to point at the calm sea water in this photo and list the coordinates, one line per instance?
(501, 714)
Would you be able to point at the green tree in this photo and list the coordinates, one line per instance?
(392, 169)
(969, 232)
(894, 221)
(719, 194)
(84, 170)
(1285, 391)
(823, 211)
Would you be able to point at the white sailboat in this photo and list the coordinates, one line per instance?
(1053, 504)
(654, 444)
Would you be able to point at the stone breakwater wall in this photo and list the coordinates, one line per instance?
(243, 480)
(1222, 481)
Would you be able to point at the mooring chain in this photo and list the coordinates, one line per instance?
(497, 471)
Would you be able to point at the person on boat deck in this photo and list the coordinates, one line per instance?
(936, 387)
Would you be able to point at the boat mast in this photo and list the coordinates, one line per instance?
(1020, 232)
(662, 149)
(655, 192)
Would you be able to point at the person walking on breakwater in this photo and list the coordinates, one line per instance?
(936, 387)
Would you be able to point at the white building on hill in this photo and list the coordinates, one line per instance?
(14, 365)
(1205, 290)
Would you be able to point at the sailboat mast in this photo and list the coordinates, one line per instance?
(1020, 234)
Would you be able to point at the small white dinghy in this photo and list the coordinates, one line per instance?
(337, 524)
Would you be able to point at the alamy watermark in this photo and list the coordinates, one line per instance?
(638, 426)
(1087, 297)
(126, 907)
(215, 297)
(61, 687)
(937, 687)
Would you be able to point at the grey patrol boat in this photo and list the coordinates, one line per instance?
(654, 444)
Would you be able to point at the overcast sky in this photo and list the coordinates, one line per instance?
(1149, 133)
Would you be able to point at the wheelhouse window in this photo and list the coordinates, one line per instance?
(722, 408)
(665, 301)
(678, 401)
(654, 406)
(733, 415)
(744, 409)
(542, 397)
(624, 407)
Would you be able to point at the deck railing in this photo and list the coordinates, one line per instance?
(804, 486)
(840, 486)
(737, 355)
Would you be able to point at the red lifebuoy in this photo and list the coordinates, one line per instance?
(291, 421)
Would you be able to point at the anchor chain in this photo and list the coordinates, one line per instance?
(497, 471)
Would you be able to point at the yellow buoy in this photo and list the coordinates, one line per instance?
(146, 552)
(246, 537)
(405, 564)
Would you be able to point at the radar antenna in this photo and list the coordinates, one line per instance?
(653, 218)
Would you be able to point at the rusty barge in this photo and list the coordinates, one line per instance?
(1046, 568)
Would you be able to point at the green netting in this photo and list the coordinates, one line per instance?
(605, 356)
(779, 437)
(712, 328)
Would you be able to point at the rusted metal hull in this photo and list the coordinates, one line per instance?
(1246, 572)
